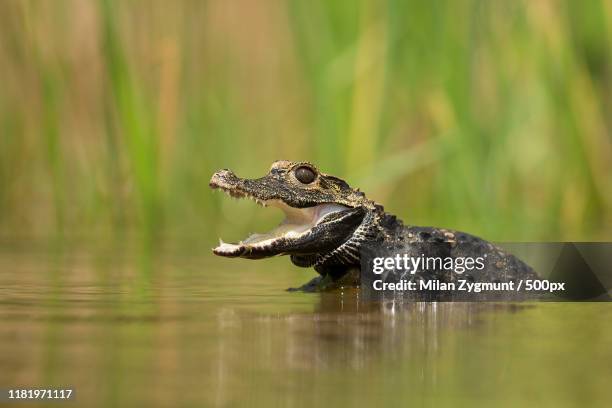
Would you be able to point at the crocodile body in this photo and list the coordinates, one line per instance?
(330, 226)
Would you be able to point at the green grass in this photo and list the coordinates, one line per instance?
(491, 117)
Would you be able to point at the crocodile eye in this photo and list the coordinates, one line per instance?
(305, 174)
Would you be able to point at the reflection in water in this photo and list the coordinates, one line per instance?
(196, 331)
(343, 331)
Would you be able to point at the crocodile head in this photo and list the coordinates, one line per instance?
(326, 220)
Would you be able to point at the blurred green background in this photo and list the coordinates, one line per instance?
(491, 117)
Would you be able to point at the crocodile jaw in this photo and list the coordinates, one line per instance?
(298, 222)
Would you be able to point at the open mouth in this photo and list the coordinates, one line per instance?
(297, 222)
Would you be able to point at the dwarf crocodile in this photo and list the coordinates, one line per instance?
(329, 226)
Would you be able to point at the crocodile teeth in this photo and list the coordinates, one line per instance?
(298, 221)
(225, 249)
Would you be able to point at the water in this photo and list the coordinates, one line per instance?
(188, 329)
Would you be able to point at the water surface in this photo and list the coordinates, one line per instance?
(188, 329)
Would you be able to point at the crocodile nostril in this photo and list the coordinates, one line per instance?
(221, 177)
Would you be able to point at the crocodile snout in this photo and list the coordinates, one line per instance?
(223, 179)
